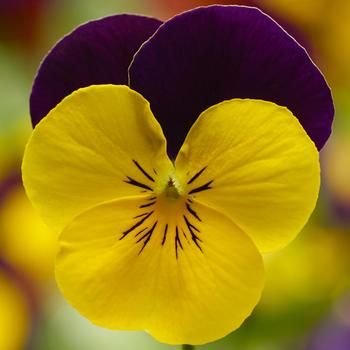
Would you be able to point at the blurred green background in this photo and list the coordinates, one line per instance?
(306, 301)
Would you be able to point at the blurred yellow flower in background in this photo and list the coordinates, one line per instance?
(14, 314)
(327, 25)
(25, 241)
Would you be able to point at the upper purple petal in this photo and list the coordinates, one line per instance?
(211, 54)
(98, 52)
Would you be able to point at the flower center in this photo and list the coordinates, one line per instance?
(173, 189)
(168, 215)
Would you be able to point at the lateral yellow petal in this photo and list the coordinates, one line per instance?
(253, 161)
(147, 271)
(100, 143)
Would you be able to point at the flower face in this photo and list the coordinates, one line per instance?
(174, 246)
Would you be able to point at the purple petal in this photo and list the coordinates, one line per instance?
(98, 52)
(211, 54)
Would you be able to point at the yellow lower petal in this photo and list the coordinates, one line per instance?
(124, 268)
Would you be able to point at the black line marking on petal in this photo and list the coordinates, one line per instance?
(147, 204)
(194, 237)
(202, 188)
(144, 172)
(148, 236)
(140, 222)
(189, 225)
(148, 233)
(151, 199)
(154, 170)
(184, 233)
(189, 200)
(165, 232)
(177, 241)
(193, 212)
(138, 233)
(139, 216)
(133, 182)
(196, 176)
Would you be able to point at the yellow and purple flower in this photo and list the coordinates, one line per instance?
(179, 154)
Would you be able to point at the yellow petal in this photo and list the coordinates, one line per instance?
(100, 143)
(183, 277)
(253, 161)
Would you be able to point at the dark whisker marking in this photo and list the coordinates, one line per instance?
(201, 188)
(148, 236)
(177, 241)
(140, 216)
(194, 237)
(165, 232)
(195, 228)
(138, 233)
(133, 182)
(178, 237)
(149, 232)
(149, 177)
(147, 204)
(193, 212)
(140, 222)
(196, 176)
(189, 200)
(184, 233)
(189, 225)
(154, 170)
(151, 199)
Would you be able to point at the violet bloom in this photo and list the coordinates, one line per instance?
(174, 246)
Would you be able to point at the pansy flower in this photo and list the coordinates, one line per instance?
(167, 191)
